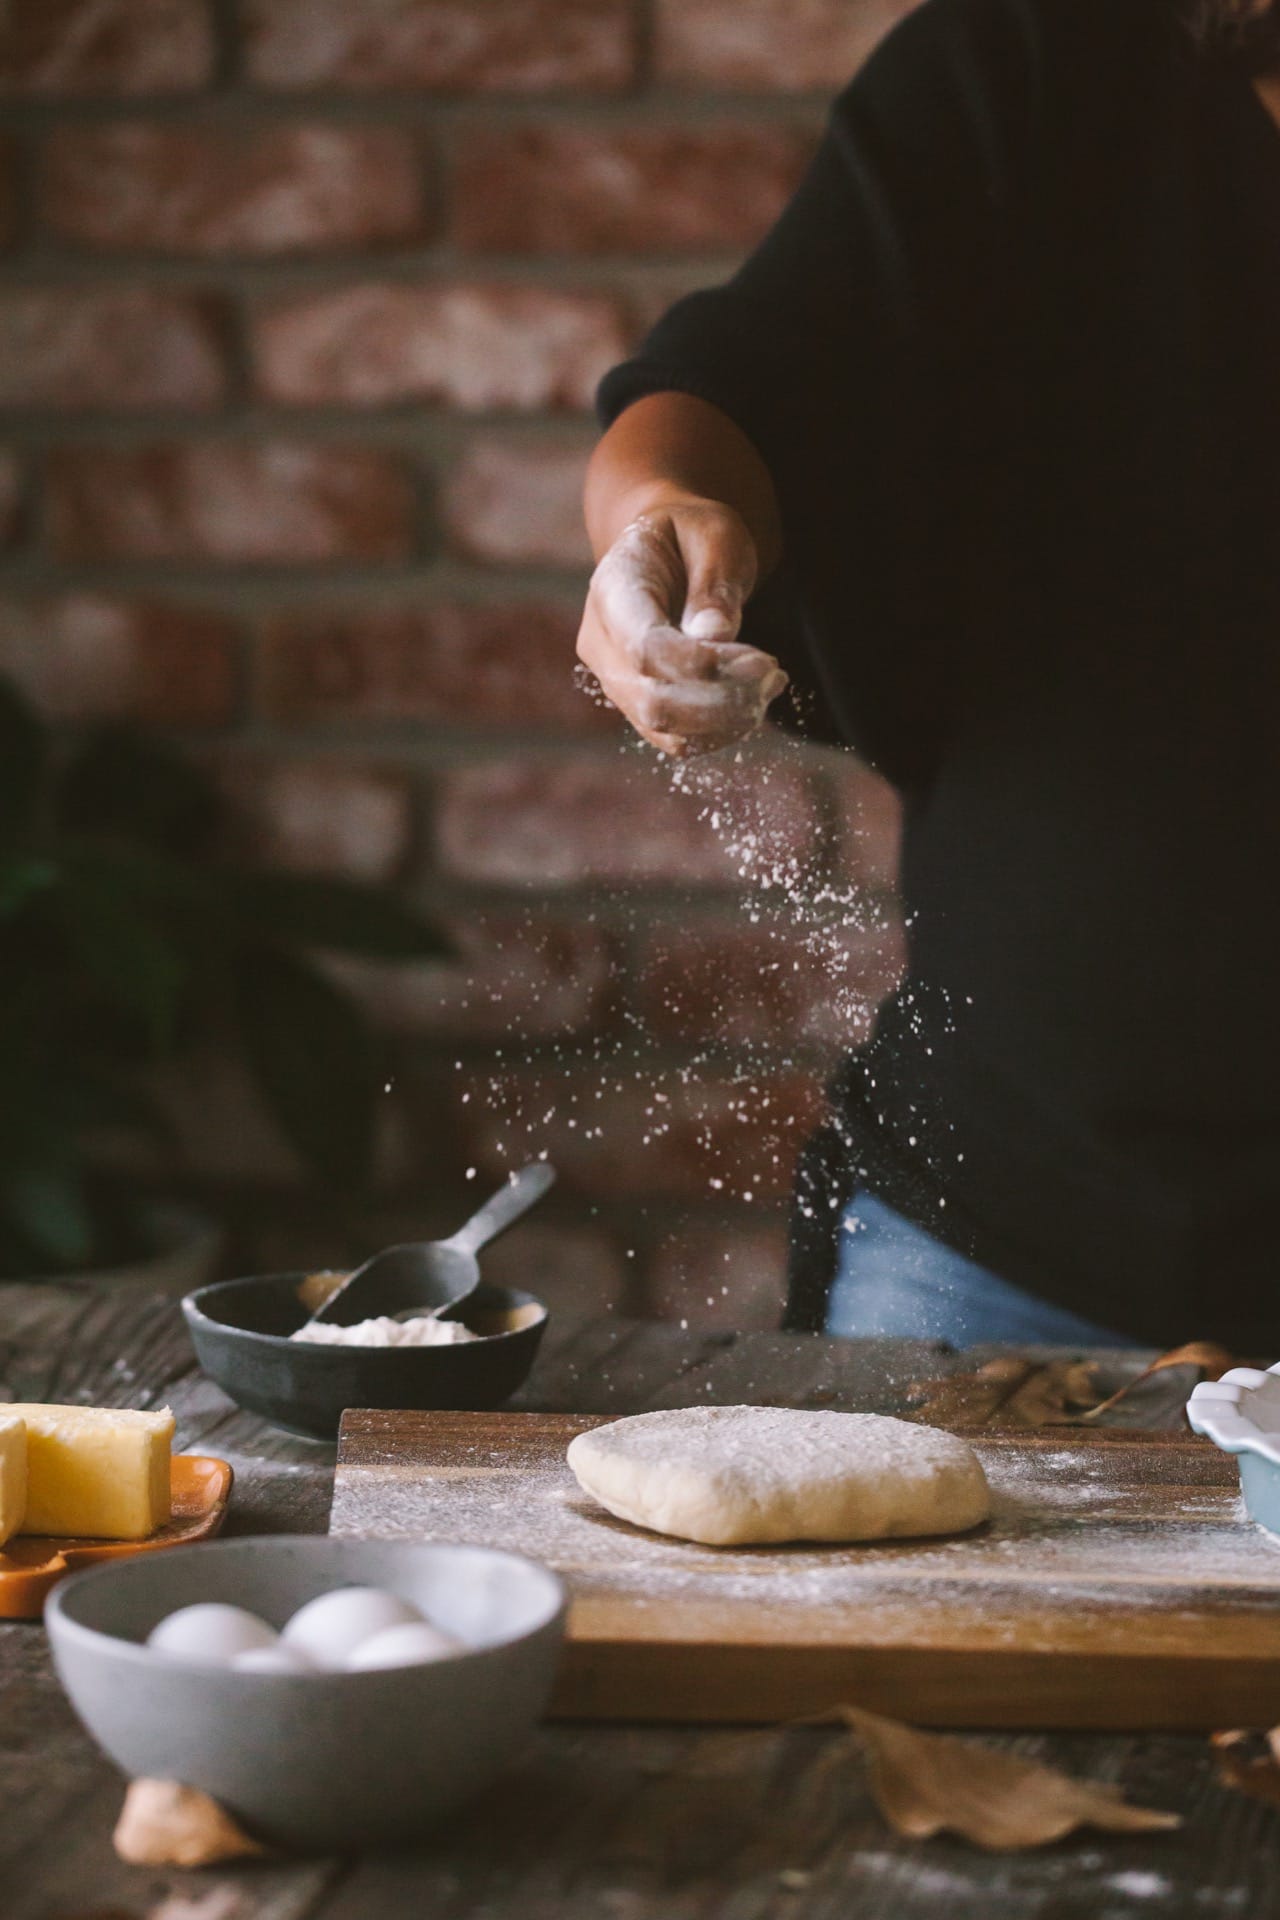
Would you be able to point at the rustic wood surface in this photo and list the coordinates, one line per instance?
(602, 1822)
(1114, 1585)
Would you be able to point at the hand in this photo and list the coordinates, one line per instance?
(660, 628)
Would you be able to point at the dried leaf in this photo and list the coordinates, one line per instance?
(1054, 1395)
(1241, 1766)
(923, 1782)
(969, 1399)
(163, 1824)
(1013, 1392)
(1208, 1360)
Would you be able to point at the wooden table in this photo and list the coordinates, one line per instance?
(598, 1823)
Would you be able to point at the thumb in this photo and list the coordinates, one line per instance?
(720, 570)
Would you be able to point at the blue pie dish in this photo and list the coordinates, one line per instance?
(1241, 1414)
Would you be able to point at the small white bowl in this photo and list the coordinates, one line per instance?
(1241, 1414)
(326, 1762)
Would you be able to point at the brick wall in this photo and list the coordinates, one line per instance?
(302, 306)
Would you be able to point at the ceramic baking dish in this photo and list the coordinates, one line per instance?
(1241, 1414)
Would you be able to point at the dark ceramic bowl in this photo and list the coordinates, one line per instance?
(240, 1330)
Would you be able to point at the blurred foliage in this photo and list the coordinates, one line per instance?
(123, 941)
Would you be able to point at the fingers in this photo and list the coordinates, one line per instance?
(720, 574)
(632, 613)
(684, 692)
(638, 584)
(634, 590)
(694, 717)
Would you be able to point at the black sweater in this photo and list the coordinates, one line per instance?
(1012, 356)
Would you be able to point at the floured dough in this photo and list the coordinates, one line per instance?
(738, 1476)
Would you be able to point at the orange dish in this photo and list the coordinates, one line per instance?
(32, 1563)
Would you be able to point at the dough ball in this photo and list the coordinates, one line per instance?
(742, 1476)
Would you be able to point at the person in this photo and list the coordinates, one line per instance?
(980, 452)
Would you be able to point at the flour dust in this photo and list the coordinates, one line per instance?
(733, 967)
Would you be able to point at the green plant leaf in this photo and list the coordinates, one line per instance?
(313, 1058)
(24, 753)
(46, 1204)
(341, 916)
(123, 785)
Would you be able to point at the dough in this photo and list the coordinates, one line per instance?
(739, 1476)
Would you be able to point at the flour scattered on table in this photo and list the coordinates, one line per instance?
(1101, 1548)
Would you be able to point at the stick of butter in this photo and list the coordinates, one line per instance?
(96, 1471)
(13, 1474)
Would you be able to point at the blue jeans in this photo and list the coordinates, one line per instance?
(894, 1278)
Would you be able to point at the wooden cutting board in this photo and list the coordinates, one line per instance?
(1117, 1585)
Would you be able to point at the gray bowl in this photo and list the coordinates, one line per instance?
(240, 1330)
(324, 1762)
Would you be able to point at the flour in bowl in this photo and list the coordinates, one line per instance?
(385, 1333)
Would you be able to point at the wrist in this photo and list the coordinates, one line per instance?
(652, 498)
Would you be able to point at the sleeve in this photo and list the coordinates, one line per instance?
(839, 345)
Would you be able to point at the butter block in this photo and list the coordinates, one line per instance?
(100, 1472)
(13, 1474)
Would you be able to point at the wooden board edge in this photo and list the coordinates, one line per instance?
(621, 1680)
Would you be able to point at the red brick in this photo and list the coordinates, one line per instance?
(449, 46)
(639, 1133)
(870, 816)
(493, 664)
(219, 190)
(797, 980)
(617, 820)
(321, 816)
(557, 189)
(9, 163)
(481, 348)
(769, 46)
(82, 656)
(655, 290)
(111, 347)
(66, 47)
(510, 977)
(224, 501)
(519, 503)
(11, 489)
(720, 1277)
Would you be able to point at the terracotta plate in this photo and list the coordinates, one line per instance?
(32, 1563)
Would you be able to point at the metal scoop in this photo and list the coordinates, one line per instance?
(426, 1277)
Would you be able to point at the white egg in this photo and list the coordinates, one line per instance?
(330, 1627)
(211, 1632)
(273, 1659)
(405, 1646)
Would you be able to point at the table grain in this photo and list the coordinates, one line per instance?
(596, 1823)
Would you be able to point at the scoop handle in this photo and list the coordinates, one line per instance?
(507, 1206)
